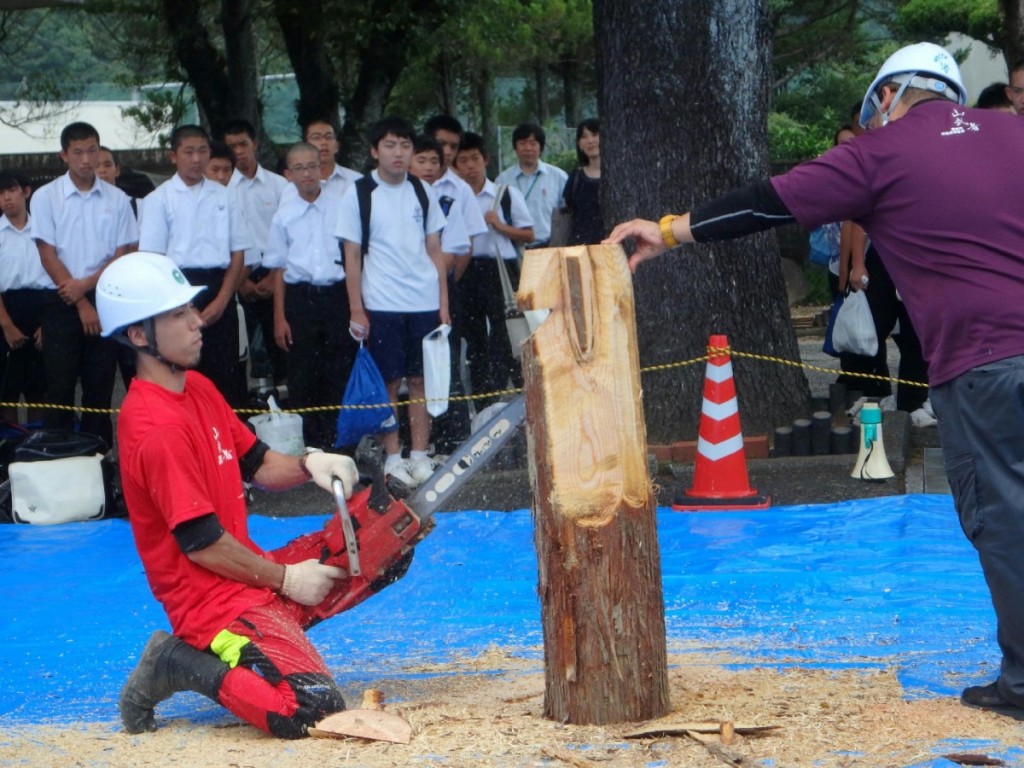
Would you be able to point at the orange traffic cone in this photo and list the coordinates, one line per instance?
(720, 474)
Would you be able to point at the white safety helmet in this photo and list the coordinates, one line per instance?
(140, 286)
(923, 65)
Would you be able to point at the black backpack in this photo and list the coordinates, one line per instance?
(364, 193)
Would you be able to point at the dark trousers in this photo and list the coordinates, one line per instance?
(321, 356)
(219, 361)
(23, 372)
(981, 419)
(490, 358)
(259, 315)
(887, 310)
(70, 356)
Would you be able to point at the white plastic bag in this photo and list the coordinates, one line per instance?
(854, 331)
(437, 369)
(279, 430)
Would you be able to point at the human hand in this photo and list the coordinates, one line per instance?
(71, 290)
(359, 325)
(324, 467)
(213, 311)
(309, 582)
(248, 292)
(90, 319)
(283, 334)
(858, 278)
(37, 339)
(13, 336)
(647, 234)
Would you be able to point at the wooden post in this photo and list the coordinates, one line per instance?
(600, 588)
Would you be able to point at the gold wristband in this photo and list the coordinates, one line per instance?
(667, 235)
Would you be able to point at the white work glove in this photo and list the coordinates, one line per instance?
(309, 582)
(324, 467)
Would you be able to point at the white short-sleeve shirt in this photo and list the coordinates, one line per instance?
(398, 274)
(337, 183)
(259, 198)
(491, 243)
(464, 200)
(20, 265)
(542, 191)
(84, 227)
(302, 241)
(197, 227)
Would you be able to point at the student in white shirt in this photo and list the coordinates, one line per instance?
(23, 286)
(398, 293)
(491, 361)
(540, 182)
(80, 223)
(199, 225)
(259, 193)
(310, 298)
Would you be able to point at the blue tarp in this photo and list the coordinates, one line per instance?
(888, 582)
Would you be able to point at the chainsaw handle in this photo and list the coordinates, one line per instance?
(351, 545)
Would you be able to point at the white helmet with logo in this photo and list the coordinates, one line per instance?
(923, 65)
(140, 286)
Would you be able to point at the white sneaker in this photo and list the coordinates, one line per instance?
(399, 471)
(854, 409)
(420, 469)
(888, 403)
(921, 418)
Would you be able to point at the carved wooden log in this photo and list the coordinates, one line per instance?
(594, 508)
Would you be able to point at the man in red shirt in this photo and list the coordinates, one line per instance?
(238, 615)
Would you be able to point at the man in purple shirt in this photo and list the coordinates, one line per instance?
(936, 198)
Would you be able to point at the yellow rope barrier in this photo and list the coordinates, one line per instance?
(711, 352)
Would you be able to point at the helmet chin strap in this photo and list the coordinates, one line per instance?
(149, 329)
(892, 105)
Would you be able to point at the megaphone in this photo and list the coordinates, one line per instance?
(871, 462)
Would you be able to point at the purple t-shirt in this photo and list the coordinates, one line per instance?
(938, 192)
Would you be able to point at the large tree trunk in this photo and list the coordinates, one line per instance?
(571, 90)
(1013, 30)
(200, 59)
(597, 541)
(301, 23)
(683, 95)
(240, 49)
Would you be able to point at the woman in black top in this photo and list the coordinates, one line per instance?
(582, 193)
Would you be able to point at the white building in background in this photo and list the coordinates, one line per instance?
(31, 128)
(982, 67)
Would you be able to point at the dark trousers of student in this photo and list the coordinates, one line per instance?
(219, 361)
(320, 357)
(259, 314)
(489, 354)
(887, 310)
(23, 372)
(69, 355)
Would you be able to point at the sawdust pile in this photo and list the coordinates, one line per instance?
(467, 715)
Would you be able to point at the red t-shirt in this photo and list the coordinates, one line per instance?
(179, 460)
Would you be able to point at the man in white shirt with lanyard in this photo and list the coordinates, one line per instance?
(540, 182)
(80, 223)
(310, 298)
(200, 226)
(259, 193)
(491, 362)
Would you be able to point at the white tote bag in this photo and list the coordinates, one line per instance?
(437, 369)
(854, 331)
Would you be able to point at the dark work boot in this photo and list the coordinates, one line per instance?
(167, 665)
(987, 697)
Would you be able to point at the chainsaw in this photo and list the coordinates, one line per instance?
(372, 535)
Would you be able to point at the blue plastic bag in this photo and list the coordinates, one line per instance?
(828, 347)
(365, 387)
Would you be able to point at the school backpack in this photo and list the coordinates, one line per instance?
(364, 195)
